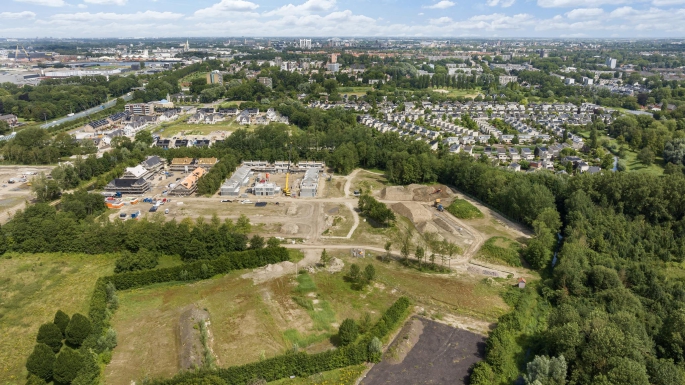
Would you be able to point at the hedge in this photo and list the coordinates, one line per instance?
(303, 364)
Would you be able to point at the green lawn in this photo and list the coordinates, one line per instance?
(181, 127)
(500, 250)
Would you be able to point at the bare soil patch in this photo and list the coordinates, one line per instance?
(191, 349)
(442, 355)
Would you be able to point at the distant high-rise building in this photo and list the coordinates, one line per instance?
(306, 43)
(334, 58)
(611, 63)
(266, 81)
(333, 67)
(215, 77)
(186, 47)
(544, 53)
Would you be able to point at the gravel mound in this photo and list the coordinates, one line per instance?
(414, 211)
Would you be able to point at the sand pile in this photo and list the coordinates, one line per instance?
(292, 210)
(414, 211)
(429, 194)
(396, 193)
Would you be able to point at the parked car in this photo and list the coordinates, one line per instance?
(166, 211)
(246, 202)
(226, 201)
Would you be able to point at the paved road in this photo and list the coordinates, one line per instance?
(87, 112)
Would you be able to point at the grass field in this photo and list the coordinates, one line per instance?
(342, 219)
(32, 289)
(359, 91)
(462, 209)
(500, 250)
(632, 164)
(256, 320)
(181, 127)
(370, 182)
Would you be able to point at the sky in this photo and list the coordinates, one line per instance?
(343, 18)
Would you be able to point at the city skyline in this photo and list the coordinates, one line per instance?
(353, 18)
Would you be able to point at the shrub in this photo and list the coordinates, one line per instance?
(34, 380)
(61, 320)
(67, 365)
(348, 332)
(90, 371)
(142, 260)
(49, 334)
(369, 273)
(79, 328)
(41, 362)
(375, 350)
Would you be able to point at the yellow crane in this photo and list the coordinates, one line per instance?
(286, 189)
(16, 53)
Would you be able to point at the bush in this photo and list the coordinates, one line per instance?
(375, 350)
(49, 334)
(500, 249)
(463, 209)
(89, 373)
(142, 260)
(34, 380)
(79, 328)
(41, 362)
(348, 332)
(67, 365)
(61, 320)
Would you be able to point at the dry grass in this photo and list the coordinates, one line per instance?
(32, 289)
(342, 219)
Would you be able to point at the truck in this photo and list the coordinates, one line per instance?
(438, 205)
(135, 215)
(153, 209)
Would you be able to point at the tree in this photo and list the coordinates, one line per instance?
(325, 258)
(41, 361)
(61, 320)
(546, 371)
(67, 365)
(142, 260)
(50, 334)
(355, 273)
(145, 137)
(44, 189)
(243, 225)
(375, 349)
(79, 328)
(348, 331)
(273, 242)
(420, 253)
(256, 242)
(388, 245)
(369, 273)
(646, 156)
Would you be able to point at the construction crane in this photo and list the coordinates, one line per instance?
(286, 189)
(16, 53)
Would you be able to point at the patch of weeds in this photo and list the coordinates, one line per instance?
(304, 302)
(305, 284)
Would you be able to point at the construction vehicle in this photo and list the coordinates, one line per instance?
(438, 205)
(16, 53)
(286, 189)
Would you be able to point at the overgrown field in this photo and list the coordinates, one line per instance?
(463, 209)
(500, 250)
(32, 289)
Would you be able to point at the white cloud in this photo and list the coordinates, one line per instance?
(443, 4)
(226, 8)
(306, 8)
(584, 13)
(17, 15)
(150, 16)
(82, 6)
(579, 3)
(106, 2)
(420, 13)
(502, 3)
(45, 3)
(442, 20)
(661, 3)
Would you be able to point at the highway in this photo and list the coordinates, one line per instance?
(87, 112)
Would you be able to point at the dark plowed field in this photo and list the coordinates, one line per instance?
(442, 355)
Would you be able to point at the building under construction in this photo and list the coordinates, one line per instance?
(135, 180)
(308, 172)
(189, 184)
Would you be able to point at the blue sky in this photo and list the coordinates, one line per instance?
(323, 18)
